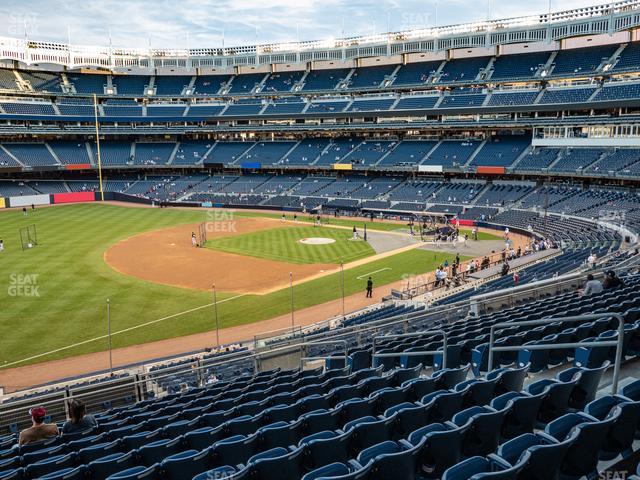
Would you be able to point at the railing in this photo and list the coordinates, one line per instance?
(147, 381)
(581, 318)
(445, 337)
(325, 357)
(197, 368)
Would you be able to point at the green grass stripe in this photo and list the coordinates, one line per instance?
(73, 282)
(283, 244)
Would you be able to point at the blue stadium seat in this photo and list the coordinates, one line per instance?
(279, 434)
(445, 404)
(224, 472)
(589, 435)
(49, 465)
(484, 433)
(585, 389)
(480, 468)
(32, 457)
(388, 397)
(341, 471)
(623, 431)
(355, 408)
(522, 412)
(70, 473)
(185, 464)
(110, 464)
(201, 438)
(234, 451)
(138, 473)
(401, 375)
(319, 420)
(14, 474)
(440, 447)
(545, 454)
(94, 452)
(391, 459)
(326, 447)
(277, 463)
(478, 391)
(368, 431)
(419, 387)
(135, 441)
(154, 452)
(632, 390)
(556, 397)
(409, 417)
(509, 379)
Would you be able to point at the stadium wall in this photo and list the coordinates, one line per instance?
(73, 197)
(28, 200)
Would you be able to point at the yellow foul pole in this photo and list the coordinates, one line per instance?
(95, 113)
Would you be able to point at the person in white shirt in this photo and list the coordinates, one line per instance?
(591, 260)
(592, 286)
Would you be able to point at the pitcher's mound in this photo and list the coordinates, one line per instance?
(317, 241)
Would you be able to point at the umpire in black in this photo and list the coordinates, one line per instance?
(369, 288)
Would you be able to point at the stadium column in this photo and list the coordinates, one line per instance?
(95, 115)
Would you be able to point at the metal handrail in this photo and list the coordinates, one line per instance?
(575, 319)
(324, 342)
(445, 344)
(167, 371)
(253, 356)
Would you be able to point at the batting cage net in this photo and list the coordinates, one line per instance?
(28, 237)
(202, 234)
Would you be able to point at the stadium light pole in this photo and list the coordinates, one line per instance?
(215, 312)
(109, 335)
(342, 285)
(291, 289)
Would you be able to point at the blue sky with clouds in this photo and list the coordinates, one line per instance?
(202, 23)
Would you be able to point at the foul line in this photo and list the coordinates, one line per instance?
(102, 337)
(371, 273)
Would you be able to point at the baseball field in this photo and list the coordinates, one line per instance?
(54, 295)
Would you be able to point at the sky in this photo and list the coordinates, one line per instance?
(213, 23)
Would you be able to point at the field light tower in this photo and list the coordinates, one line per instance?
(215, 314)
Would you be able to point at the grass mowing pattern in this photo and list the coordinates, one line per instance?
(282, 244)
(349, 222)
(74, 282)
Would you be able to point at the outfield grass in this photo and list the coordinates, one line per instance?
(73, 282)
(360, 223)
(283, 245)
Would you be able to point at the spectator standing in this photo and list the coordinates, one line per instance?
(505, 269)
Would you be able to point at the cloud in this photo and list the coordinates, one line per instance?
(203, 23)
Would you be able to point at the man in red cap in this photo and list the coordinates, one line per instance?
(39, 430)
